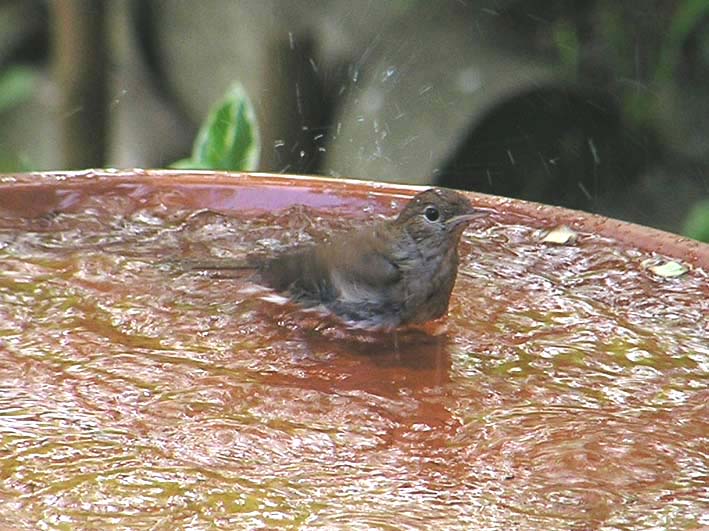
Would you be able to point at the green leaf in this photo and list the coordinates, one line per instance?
(187, 164)
(229, 138)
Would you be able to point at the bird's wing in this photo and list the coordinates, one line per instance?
(362, 269)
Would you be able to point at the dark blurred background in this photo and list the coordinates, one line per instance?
(601, 105)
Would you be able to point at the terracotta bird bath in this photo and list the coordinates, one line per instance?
(567, 390)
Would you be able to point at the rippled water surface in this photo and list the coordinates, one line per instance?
(568, 392)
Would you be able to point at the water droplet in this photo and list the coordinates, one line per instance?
(509, 155)
(389, 73)
(594, 151)
(426, 88)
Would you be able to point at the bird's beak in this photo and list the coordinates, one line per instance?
(466, 218)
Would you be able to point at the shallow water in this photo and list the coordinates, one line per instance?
(568, 392)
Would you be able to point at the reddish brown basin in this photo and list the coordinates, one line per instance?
(568, 392)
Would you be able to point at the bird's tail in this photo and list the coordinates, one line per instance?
(213, 268)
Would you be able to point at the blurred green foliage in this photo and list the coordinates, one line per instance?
(229, 137)
(605, 39)
(567, 44)
(684, 21)
(696, 224)
(16, 85)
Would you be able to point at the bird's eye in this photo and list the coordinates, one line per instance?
(431, 213)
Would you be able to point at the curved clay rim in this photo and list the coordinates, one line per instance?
(542, 216)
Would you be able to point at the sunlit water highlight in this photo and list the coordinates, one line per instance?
(568, 392)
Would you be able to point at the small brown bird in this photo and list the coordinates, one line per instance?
(394, 273)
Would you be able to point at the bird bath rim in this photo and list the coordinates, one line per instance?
(37, 189)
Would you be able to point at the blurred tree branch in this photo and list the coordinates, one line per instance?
(79, 68)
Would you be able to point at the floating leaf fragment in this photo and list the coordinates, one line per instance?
(669, 269)
(560, 235)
